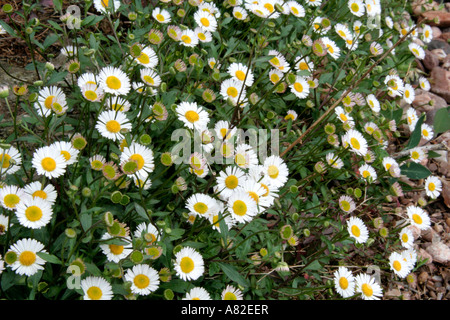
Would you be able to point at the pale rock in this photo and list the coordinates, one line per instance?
(440, 252)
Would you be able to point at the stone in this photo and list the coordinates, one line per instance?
(439, 44)
(440, 82)
(436, 32)
(422, 104)
(431, 60)
(440, 54)
(442, 16)
(440, 252)
(424, 255)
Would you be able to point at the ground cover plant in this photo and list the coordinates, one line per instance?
(215, 150)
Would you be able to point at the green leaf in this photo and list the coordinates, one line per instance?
(417, 134)
(58, 5)
(8, 28)
(91, 20)
(141, 211)
(442, 120)
(57, 77)
(86, 221)
(49, 257)
(233, 274)
(415, 170)
(315, 265)
(51, 39)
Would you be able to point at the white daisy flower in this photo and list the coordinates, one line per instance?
(233, 89)
(366, 285)
(411, 118)
(67, 150)
(49, 161)
(205, 20)
(275, 76)
(276, 170)
(278, 61)
(300, 87)
(4, 224)
(147, 232)
(28, 262)
(188, 38)
(357, 230)
(346, 203)
(148, 58)
(344, 282)
(373, 103)
(408, 93)
(296, 9)
(202, 35)
(427, 132)
(241, 73)
(418, 217)
(144, 279)
(356, 7)
(34, 213)
(150, 77)
(355, 140)
(333, 160)
(197, 293)
(161, 15)
(245, 157)
(427, 34)
(398, 265)
(11, 196)
(113, 80)
(417, 50)
(433, 187)
(10, 160)
(406, 238)
(192, 115)
(142, 155)
(111, 124)
(388, 162)
(92, 92)
(50, 98)
(103, 6)
(85, 79)
(240, 13)
(242, 206)
(424, 84)
(96, 288)
(115, 252)
(395, 85)
(332, 49)
(367, 172)
(417, 154)
(202, 205)
(189, 264)
(231, 293)
(229, 180)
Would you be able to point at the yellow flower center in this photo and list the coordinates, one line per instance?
(397, 265)
(343, 117)
(415, 155)
(407, 94)
(303, 66)
(5, 160)
(343, 283)
(144, 58)
(239, 208)
(201, 36)
(200, 207)
(148, 79)
(160, 17)
(141, 281)
(355, 231)
(205, 22)
(274, 78)
(273, 171)
(294, 10)
(405, 237)
(116, 249)
(48, 102)
(192, 116)
(186, 39)
(232, 92)
(354, 7)
(66, 155)
(90, 95)
(298, 87)
(269, 7)
(254, 196)
(231, 182)
(113, 82)
(431, 186)
(367, 290)
(94, 293)
(40, 193)
(240, 75)
(113, 126)
(238, 15)
(11, 200)
(229, 296)
(186, 265)
(240, 159)
(345, 205)
(366, 174)
(355, 143)
(417, 218)
(265, 188)
(275, 61)
(48, 164)
(139, 159)
(27, 258)
(289, 116)
(416, 52)
(33, 213)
